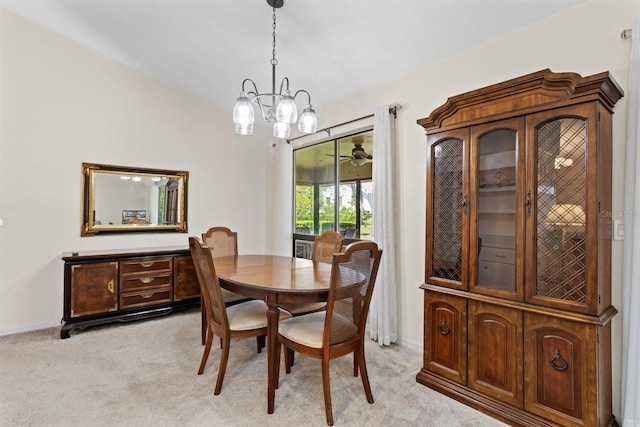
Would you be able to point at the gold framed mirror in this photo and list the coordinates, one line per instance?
(121, 199)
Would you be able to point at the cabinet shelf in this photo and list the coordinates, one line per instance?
(496, 212)
(497, 189)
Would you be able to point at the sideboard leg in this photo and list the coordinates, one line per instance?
(64, 331)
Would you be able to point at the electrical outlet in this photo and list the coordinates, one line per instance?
(618, 229)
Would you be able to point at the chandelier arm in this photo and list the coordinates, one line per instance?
(286, 79)
(255, 88)
(303, 91)
(264, 108)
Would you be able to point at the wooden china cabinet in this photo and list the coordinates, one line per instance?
(517, 292)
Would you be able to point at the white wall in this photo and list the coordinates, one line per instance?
(585, 39)
(62, 104)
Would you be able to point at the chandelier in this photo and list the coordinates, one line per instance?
(277, 108)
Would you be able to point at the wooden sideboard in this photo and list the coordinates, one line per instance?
(103, 287)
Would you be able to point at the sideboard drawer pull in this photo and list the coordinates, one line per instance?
(146, 264)
(147, 279)
(146, 295)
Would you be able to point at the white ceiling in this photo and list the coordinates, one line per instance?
(331, 48)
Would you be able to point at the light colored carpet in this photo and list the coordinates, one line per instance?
(145, 374)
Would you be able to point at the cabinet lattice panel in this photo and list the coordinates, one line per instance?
(560, 210)
(447, 209)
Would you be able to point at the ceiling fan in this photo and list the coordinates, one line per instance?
(358, 156)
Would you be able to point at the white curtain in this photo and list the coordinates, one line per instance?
(282, 198)
(631, 273)
(383, 317)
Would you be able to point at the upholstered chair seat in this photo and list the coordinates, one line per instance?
(308, 330)
(250, 315)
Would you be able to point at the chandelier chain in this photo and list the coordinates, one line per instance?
(274, 61)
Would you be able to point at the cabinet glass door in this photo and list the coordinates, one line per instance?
(497, 177)
(445, 211)
(561, 204)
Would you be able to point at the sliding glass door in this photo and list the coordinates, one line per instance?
(333, 190)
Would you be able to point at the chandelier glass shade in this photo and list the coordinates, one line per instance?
(278, 108)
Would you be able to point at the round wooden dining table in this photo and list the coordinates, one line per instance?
(275, 280)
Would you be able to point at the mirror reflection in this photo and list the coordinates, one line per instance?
(122, 199)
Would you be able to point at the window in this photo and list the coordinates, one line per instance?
(333, 190)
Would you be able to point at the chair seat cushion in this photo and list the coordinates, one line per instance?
(229, 296)
(250, 315)
(303, 307)
(308, 329)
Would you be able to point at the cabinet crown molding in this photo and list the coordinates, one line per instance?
(537, 91)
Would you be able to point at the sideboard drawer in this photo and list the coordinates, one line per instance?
(145, 266)
(144, 298)
(151, 281)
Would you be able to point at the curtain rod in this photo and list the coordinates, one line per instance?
(626, 34)
(393, 110)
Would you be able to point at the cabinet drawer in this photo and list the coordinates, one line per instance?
(151, 281)
(145, 266)
(495, 254)
(144, 298)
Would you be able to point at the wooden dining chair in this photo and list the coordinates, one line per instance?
(330, 334)
(222, 242)
(324, 246)
(243, 320)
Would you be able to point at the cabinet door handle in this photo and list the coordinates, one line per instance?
(146, 264)
(527, 202)
(444, 328)
(147, 279)
(111, 286)
(557, 362)
(464, 201)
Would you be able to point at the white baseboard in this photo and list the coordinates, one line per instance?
(411, 345)
(28, 328)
